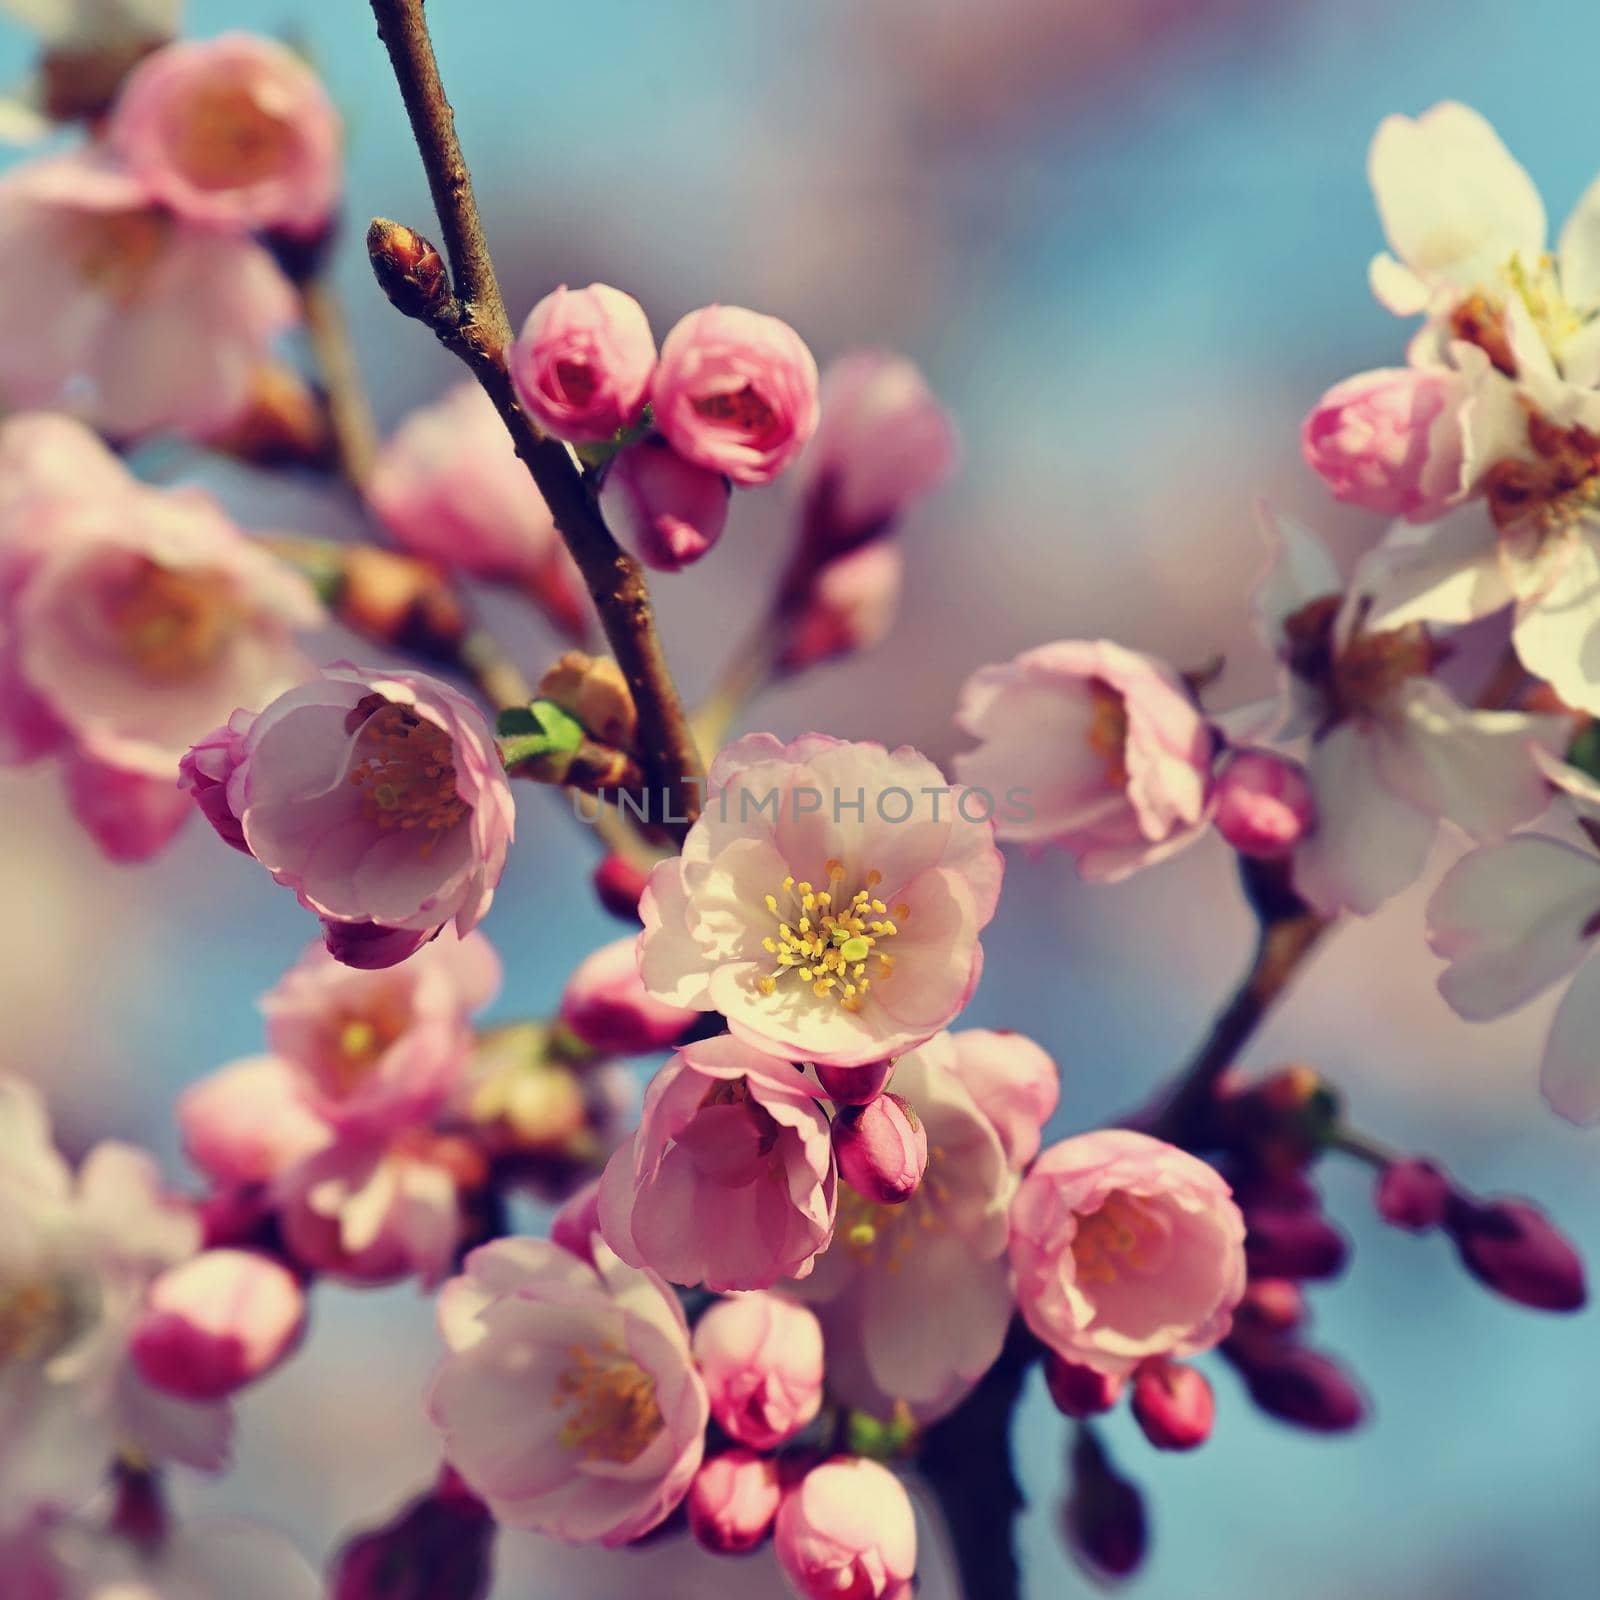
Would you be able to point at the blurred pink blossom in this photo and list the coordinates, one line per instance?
(733, 1501)
(850, 605)
(761, 1357)
(607, 1005)
(846, 1529)
(1013, 1081)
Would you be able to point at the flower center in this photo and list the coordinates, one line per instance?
(36, 1320)
(403, 764)
(1108, 731)
(830, 941)
(882, 1236)
(116, 253)
(741, 410)
(1366, 670)
(169, 624)
(1117, 1238)
(1545, 493)
(355, 1042)
(225, 137)
(614, 1413)
(577, 380)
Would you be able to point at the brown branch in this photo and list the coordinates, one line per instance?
(472, 322)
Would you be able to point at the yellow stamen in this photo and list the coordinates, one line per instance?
(614, 1411)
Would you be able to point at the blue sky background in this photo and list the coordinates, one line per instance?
(1128, 264)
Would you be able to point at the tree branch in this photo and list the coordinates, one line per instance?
(472, 322)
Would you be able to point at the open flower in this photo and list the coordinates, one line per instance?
(1125, 1248)
(1014, 1082)
(379, 798)
(736, 392)
(889, 1263)
(730, 1179)
(235, 132)
(377, 1050)
(828, 901)
(131, 620)
(568, 1400)
(137, 320)
(1104, 746)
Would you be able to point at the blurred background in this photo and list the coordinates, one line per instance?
(1127, 241)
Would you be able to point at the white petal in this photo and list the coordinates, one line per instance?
(1510, 920)
(1578, 253)
(1369, 842)
(1557, 630)
(1570, 1075)
(1447, 571)
(1299, 570)
(1395, 287)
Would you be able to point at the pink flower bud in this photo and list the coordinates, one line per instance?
(216, 1322)
(582, 363)
(605, 1003)
(1390, 440)
(1284, 1243)
(736, 392)
(1414, 1195)
(437, 1548)
(851, 606)
(1270, 1306)
(204, 772)
(733, 1501)
(234, 133)
(666, 510)
(761, 1357)
(575, 1224)
(618, 883)
(246, 1122)
(1513, 1248)
(1104, 1516)
(1264, 805)
(854, 1086)
(1080, 1391)
(1173, 1404)
(847, 1529)
(882, 1149)
(1299, 1386)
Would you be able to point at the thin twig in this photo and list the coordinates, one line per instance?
(355, 435)
(474, 325)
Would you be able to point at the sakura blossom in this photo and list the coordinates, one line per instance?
(823, 916)
(847, 1528)
(568, 1398)
(761, 1357)
(734, 1500)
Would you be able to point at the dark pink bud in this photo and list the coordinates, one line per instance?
(204, 772)
(882, 1149)
(437, 1548)
(1104, 1517)
(1292, 1244)
(1297, 1385)
(216, 1322)
(577, 1222)
(668, 511)
(370, 945)
(1513, 1248)
(1264, 806)
(854, 1086)
(1079, 1391)
(1173, 1404)
(1270, 1306)
(733, 1501)
(618, 883)
(1413, 1194)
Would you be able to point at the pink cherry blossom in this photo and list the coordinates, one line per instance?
(733, 1501)
(137, 321)
(246, 1122)
(568, 1400)
(1264, 804)
(1125, 1248)
(761, 1357)
(1390, 441)
(450, 486)
(666, 510)
(847, 1529)
(372, 1051)
(1014, 1082)
(583, 361)
(883, 443)
(881, 1148)
(736, 392)
(217, 1322)
(1103, 747)
(379, 798)
(897, 869)
(607, 1005)
(850, 606)
(235, 133)
(730, 1180)
(872, 1289)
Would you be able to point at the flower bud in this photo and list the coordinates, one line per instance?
(437, 1548)
(402, 601)
(1270, 1306)
(847, 1529)
(409, 269)
(1280, 1243)
(666, 510)
(370, 945)
(203, 774)
(761, 1357)
(733, 1501)
(593, 689)
(605, 1003)
(1264, 805)
(854, 1086)
(283, 422)
(1297, 1385)
(216, 1322)
(1511, 1247)
(1413, 1194)
(575, 1224)
(851, 606)
(882, 1149)
(1173, 1404)
(1103, 1518)
(582, 362)
(618, 883)
(1080, 1391)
